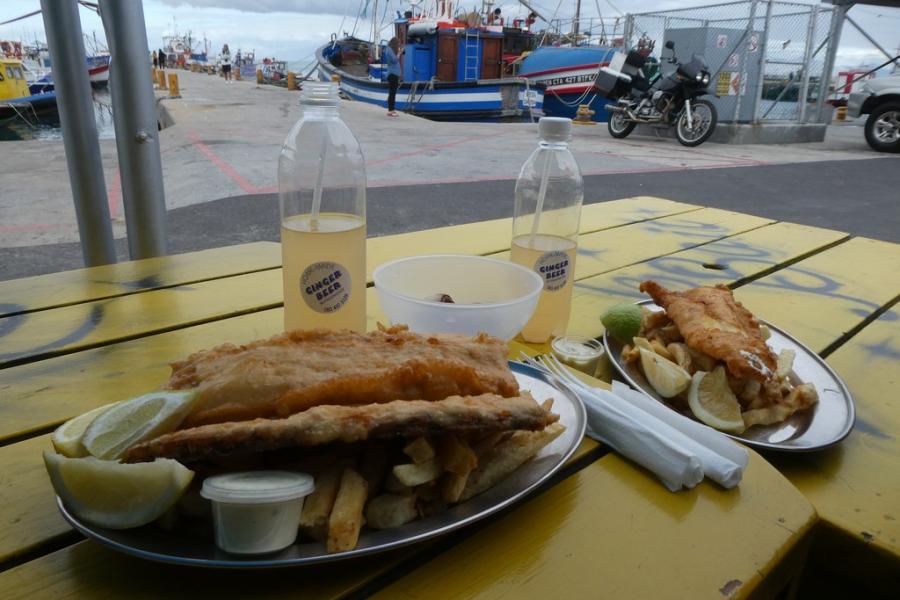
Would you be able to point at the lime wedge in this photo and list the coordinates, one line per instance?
(132, 421)
(623, 321)
(116, 495)
(713, 402)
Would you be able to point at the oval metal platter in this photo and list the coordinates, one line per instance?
(827, 423)
(153, 543)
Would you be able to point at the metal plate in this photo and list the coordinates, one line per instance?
(829, 421)
(152, 543)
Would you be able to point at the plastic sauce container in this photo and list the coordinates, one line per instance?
(255, 512)
(579, 352)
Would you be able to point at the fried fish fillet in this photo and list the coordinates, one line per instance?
(294, 371)
(320, 425)
(713, 322)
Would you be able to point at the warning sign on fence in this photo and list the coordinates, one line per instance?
(723, 83)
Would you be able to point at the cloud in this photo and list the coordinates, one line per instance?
(332, 7)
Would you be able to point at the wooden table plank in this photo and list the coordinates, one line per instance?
(69, 328)
(821, 297)
(87, 570)
(727, 261)
(603, 251)
(855, 487)
(107, 281)
(487, 237)
(612, 531)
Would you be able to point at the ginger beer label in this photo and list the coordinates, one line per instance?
(325, 286)
(553, 267)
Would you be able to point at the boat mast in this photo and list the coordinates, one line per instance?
(375, 48)
(576, 23)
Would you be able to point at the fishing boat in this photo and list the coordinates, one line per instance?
(16, 100)
(454, 67)
(98, 69)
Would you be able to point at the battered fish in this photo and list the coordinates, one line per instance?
(294, 371)
(713, 322)
(320, 425)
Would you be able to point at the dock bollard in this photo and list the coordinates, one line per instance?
(292, 80)
(336, 78)
(153, 74)
(841, 113)
(237, 73)
(161, 79)
(259, 77)
(583, 115)
(174, 92)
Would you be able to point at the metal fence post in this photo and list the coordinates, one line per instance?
(628, 32)
(76, 115)
(743, 65)
(763, 48)
(807, 61)
(834, 38)
(137, 138)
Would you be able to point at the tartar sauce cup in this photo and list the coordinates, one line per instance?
(255, 512)
(579, 352)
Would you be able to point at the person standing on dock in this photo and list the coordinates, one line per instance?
(155, 59)
(161, 57)
(392, 60)
(226, 63)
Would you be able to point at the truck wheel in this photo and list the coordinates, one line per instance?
(883, 127)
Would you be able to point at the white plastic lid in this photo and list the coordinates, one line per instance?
(555, 129)
(320, 93)
(257, 487)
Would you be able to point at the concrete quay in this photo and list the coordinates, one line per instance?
(221, 149)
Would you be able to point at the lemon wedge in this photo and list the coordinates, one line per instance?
(67, 437)
(713, 402)
(667, 378)
(132, 421)
(117, 495)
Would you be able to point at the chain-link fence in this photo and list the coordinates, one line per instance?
(767, 60)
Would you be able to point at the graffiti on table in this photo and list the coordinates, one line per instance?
(90, 322)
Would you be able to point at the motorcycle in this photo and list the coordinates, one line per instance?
(671, 100)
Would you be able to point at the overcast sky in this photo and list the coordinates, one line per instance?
(292, 29)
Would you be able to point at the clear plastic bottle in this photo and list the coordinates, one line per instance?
(322, 193)
(549, 193)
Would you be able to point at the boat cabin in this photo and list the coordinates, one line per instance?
(12, 79)
(449, 51)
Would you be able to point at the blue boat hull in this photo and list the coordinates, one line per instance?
(494, 99)
(568, 77)
(43, 102)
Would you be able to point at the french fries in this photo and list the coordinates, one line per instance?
(456, 455)
(317, 506)
(347, 514)
(508, 456)
(390, 510)
(419, 450)
(413, 474)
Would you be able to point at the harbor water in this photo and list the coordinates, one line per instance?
(46, 126)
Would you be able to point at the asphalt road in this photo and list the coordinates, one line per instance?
(861, 197)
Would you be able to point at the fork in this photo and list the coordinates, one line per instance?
(549, 364)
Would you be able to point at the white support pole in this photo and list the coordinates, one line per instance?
(76, 115)
(834, 39)
(137, 137)
(745, 44)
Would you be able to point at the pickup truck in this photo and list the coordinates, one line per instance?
(880, 99)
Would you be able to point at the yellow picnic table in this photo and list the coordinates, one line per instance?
(602, 528)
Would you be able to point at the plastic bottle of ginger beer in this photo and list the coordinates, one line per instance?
(322, 193)
(549, 193)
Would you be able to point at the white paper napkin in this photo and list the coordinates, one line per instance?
(723, 459)
(641, 442)
(678, 450)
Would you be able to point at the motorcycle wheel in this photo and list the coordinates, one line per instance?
(704, 117)
(618, 126)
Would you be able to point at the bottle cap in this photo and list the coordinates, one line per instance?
(555, 129)
(323, 93)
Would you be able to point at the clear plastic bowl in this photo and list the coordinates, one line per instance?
(494, 296)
